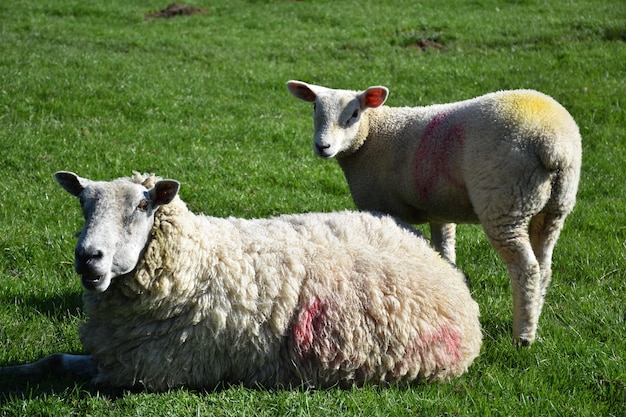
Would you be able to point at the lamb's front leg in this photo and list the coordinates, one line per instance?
(444, 238)
(81, 366)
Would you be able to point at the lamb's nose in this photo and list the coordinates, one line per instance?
(322, 147)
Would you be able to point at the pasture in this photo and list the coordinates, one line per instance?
(101, 90)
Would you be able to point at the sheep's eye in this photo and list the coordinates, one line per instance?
(352, 119)
(143, 205)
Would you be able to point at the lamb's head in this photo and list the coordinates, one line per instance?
(118, 218)
(337, 114)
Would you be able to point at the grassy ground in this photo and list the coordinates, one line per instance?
(99, 90)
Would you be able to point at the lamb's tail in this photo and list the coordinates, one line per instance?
(560, 152)
(555, 136)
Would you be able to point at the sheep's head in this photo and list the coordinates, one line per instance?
(337, 114)
(118, 218)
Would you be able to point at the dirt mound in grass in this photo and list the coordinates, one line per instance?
(427, 44)
(175, 9)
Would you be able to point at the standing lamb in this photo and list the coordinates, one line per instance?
(508, 160)
(177, 299)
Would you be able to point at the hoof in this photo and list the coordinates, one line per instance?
(522, 342)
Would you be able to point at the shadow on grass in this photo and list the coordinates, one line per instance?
(68, 387)
(29, 388)
(57, 306)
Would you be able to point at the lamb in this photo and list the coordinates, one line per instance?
(316, 300)
(509, 160)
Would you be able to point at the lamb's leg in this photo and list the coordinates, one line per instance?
(444, 239)
(511, 241)
(544, 232)
(81, 366)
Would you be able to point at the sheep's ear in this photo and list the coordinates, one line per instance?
(71, 182)
(164, 191)
(374, 96)
(301, 90)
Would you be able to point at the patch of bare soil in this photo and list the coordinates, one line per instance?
(427, 44)
(175, 9)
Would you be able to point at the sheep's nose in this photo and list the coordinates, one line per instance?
(322, 147)
(87, 255)
(86, 259)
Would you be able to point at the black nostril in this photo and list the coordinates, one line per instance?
(86, 262)
(85, 256)
(322, 147)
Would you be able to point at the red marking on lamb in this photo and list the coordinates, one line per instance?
(432, 158)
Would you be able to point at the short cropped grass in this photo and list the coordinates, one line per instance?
(95, 88)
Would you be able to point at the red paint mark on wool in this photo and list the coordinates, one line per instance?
(440, 348)
(446, 344)
(432, 158)
(310, 327)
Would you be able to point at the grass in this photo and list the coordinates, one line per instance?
(96, 89)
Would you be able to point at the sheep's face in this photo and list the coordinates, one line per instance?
(337, 115)
(336, 121)
(118, 218)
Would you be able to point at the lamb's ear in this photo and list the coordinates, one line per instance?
(374, 96)
(164, 191)
(71, 182)
(301, 90)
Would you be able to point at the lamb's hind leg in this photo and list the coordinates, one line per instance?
(444, 238)
(545, 229)
(512, 243)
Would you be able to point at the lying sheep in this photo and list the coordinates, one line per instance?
(508, 160)
(177, 299)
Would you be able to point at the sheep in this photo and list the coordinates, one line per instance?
(316, 300)
(509, 160)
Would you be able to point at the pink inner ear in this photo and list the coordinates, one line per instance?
(375, 97)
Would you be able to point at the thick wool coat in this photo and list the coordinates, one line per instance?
(313, 299)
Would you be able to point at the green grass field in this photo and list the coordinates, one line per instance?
(99, 90)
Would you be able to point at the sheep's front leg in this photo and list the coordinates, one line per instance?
(81, 366)
(444, 238)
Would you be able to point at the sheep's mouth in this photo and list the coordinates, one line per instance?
(325, 153)
(95, 283)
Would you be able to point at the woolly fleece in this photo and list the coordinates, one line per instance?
(509, 160)
(313, 299)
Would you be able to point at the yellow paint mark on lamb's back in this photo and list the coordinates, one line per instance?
(531, 107)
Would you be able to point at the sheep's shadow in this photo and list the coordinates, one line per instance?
(57, 306)
(28, 388)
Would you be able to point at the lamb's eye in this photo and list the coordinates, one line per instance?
(352, 118)
(143, 205)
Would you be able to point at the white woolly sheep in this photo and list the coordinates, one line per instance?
(178, 299)
(508, 160)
